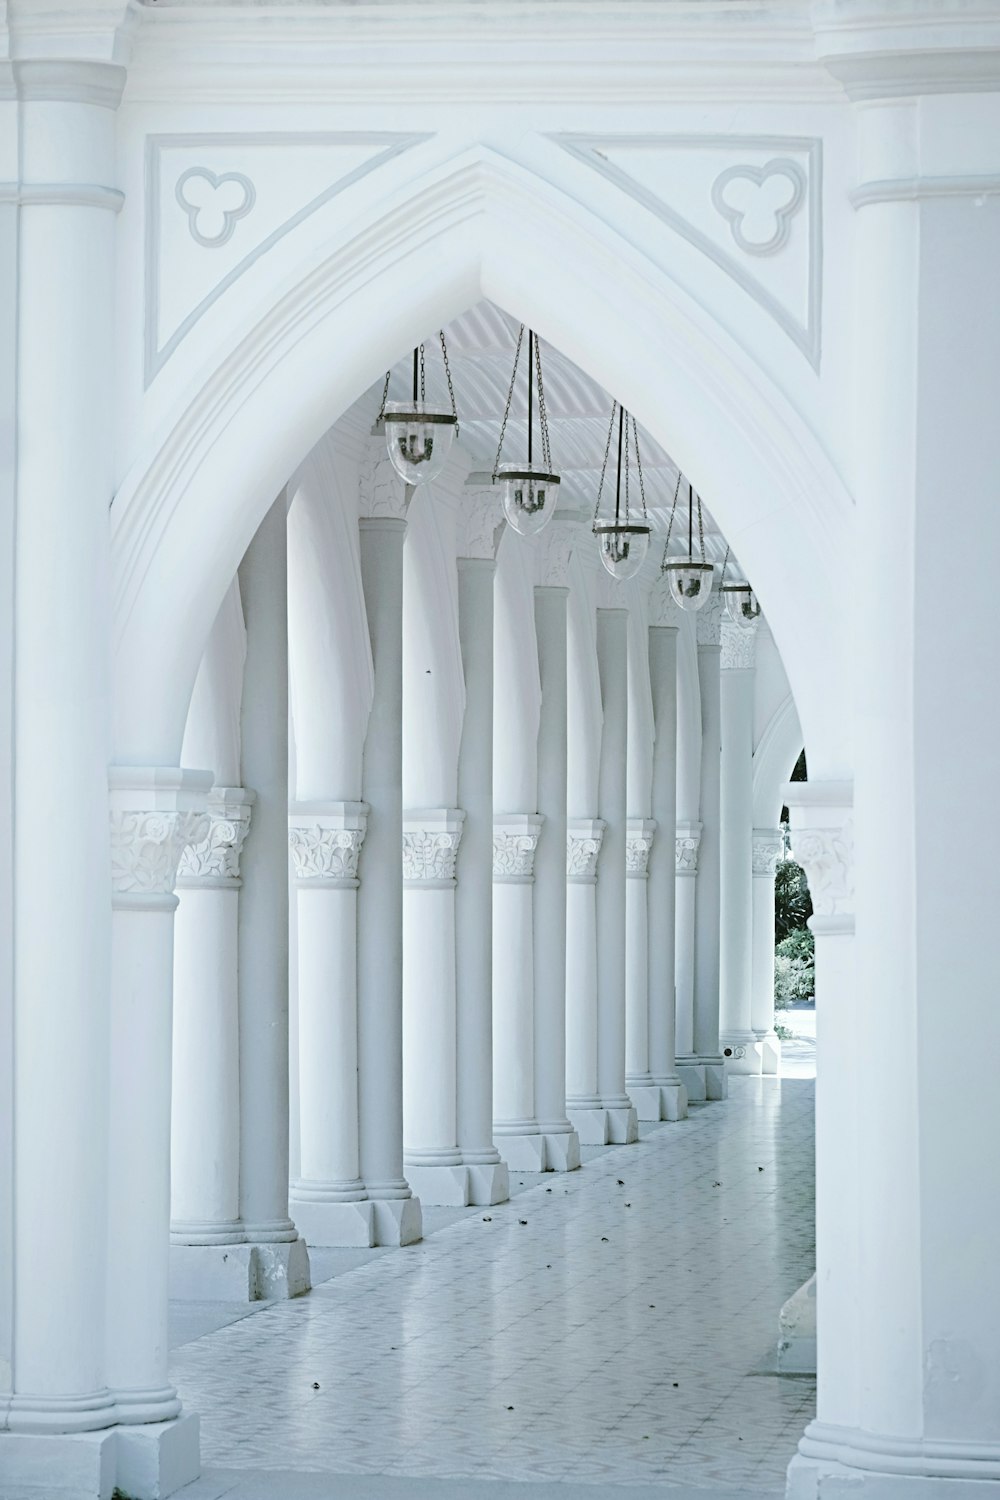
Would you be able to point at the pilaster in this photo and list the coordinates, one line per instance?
(737, 677)
(638, 846)
(687, 842)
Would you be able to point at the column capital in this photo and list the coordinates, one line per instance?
(155, 813)
(515, 839)
(823, 843)
(638, 843)
(431, 837)
(382, 495)
(215, 861)
(688, 838)
(480, 522)
(767, 847)
(584, 837)
(663, 610)
(325, 840)
(553, 548)
(739, 646)
(708, 620)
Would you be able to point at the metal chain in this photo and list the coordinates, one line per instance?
(725, 564)
(423, 376)
(670, 527)
(626, 469)
(701, 531)
(604, 465)
(638, 465)
(447, 376)
(510, 397)
(385, 397)
(543, 416)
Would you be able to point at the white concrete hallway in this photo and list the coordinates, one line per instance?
(612, 1328)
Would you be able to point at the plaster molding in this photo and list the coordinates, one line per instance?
(766, 850)
(584, 837)
(69, 81)
(70, 194)
(912, 189)
(392, 143)
(638, 844)
(480, 523)
(708, 619)
(783, 215)
(916, 1459)
(739, 646)
(592, 151)
(687, 840)
(215, 861)
(553, 548)
(663, 609)
(146, 849)
(187, 194)
(430, 846)
(381, 492)
(823, 843)
(325, 842)
(515, 840)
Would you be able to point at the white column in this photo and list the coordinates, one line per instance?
(737, 1040)
(282, 1258)
(155, 813)
(583, 846)
(431, 1156)
(661, 889)
(686, 844)
(707, 925)
(487, 1173)
(60, 958)
(205, 1112)
(515, 839)
(767, 846)
(638, 1078)
(562, 1144)
(380, 898)
(612, 662)
(328, 1197)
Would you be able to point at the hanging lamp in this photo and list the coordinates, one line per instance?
(742, 605)
(528, 492)
(624, 541)
(419, 434)
(690, 580)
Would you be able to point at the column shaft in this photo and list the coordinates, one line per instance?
(380, 899)
(767, 845)
(707, 926)
(736, 835)
(515, 840)
(661, 887)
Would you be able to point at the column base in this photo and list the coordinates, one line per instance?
(489, 1183)
(541, 1150)
(397, 1221)
(673, 1100)
(144, 1462)
(616, 1126)
(741, 1053)
(157, 1460)
(692, 1075)
(336, 1225)
(797, 1332)
(769, 1046)
(871, 1467)
(715, 1078)
(646, 1098)
(444, 1186)
(213, 1273)
(282, 1269)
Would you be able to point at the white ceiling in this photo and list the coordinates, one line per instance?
(481, 351)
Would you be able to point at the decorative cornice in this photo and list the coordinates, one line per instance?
(480, 522)
(638, 843)
(739, 646)
(381, 492)
(911, 189)
(325, 840)
(155, 812)
(69, 194)
(515, 839)
(430, 847)
(216, 860)
(688, 838)
(708, 620)
(69, 81)
(766, 851)
(584, 837)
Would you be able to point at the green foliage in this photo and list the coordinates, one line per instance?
(792, 903)
(794, 979)
(798, 944)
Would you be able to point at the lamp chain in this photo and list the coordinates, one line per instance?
(543, 416)
(725, 564)
(385, 396)
(604, 465)
(701, 531)
(447, 376)
(638, 465)
(510, 397)
(626, 471)
(670, 526)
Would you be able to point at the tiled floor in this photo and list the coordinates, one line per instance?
(610, 1328)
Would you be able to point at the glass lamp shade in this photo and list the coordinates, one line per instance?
(623, 548)
(419, 439)
(741, 603)
(529, 496)
(690, 582)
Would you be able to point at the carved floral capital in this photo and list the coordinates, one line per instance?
(827, 856)
(155, 813)
(739, 646)
(381, 492)
(480, 522)
(216, 859)
(688, 838)
(638, 843)
(430, 846)
(584, 837)
(325, 842)
(708, 620)
(766, 851)
(515, 840)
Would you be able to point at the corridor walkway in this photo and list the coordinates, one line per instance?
(615, 1327)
